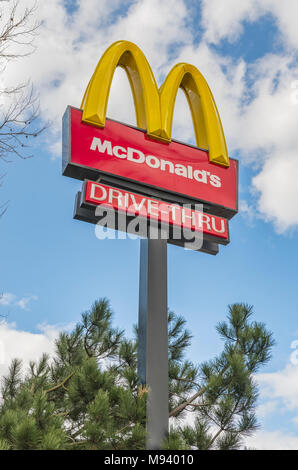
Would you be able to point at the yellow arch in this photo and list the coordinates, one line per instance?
(155, 109)
(144, 88)
(206, 120)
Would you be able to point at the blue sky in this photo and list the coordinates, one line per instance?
(54, 267)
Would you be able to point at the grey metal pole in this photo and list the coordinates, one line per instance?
(153, 337)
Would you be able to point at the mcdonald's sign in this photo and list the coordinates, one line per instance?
(138, 180)
(145, 159)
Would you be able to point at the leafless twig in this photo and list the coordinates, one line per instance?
(17, 29)
(19, 105)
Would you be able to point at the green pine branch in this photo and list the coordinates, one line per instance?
(88, 395)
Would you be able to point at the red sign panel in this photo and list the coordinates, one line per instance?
(128, 153)
(98, 194)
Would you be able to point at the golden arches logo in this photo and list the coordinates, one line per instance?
(155, 107)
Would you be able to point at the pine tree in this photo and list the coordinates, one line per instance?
(88, 396)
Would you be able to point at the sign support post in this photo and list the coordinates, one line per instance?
(153, 337)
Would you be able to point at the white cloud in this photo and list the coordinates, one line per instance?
(23, 303)
(267, 408)
(279, 396)
(225, 20)
(24, 345)
(7, 298)
(277, 184)
(247, 211)
(281, 385)
(12, 300)
(272, 440)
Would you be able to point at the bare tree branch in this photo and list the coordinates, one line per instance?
(17, 29)
(19, 104)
